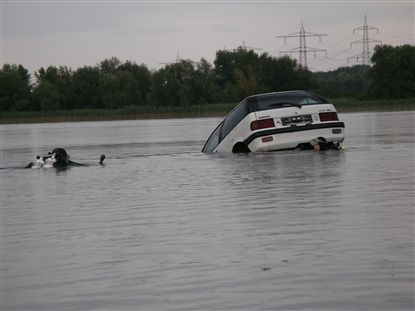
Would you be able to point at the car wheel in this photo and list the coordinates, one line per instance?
(240, 148)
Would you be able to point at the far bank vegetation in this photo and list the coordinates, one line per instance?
(201, 87)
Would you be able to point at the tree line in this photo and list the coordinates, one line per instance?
(113, 84)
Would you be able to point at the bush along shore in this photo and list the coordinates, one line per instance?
(343, 105)
(126, 113)
(113, 89)
(354, 105)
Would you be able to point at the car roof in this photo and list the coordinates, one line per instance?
(295, 92)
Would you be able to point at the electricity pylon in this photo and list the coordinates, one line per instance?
(303, 49)
(178, 59)
(365, 55)
(246, 48)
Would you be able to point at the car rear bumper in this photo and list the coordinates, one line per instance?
(291, 137)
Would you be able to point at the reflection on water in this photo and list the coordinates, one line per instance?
(163, 226)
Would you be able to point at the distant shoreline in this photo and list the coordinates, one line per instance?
(209, 110)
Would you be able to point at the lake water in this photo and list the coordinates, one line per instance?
(164, 227)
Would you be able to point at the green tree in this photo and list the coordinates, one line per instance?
(242, 72)
(124, 84)
(137, 82)
(226, 62)
(247, 81)
(162, 89)
(112, 92)
(14, 88)
(393, 72)
(233, 70)
(343, 82)
(62, 80)
(182, 84)
(109, 65)
(282, 74)
(86, 90)
(47, 95)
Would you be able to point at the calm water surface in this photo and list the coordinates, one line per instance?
(164, 227)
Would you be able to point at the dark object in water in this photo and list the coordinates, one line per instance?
(101, 159)
(320, 144)
(61, 159)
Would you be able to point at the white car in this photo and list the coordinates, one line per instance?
(278, 121)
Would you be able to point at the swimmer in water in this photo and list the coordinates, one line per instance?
(59, 159)
(50, 162)
(320, 143)
(38, 163)
(101, 159)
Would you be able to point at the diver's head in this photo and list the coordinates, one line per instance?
(101, 159)
(61, 157)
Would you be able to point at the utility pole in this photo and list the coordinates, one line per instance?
(365, 55)
(303, 49)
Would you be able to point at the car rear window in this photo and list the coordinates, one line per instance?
(234, 117)
(281, 100)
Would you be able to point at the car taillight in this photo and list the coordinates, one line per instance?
(262, 124)
(328, 116)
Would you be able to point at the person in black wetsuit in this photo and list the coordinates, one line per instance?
(62, 159)
(101, 159)
(320, 143)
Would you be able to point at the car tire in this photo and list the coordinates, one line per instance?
(240, 148)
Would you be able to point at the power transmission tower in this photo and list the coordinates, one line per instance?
(178, 59)
(303, 49)
(243, 47)
(246, 48)
(365, 55)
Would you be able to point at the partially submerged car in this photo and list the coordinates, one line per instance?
(278, 121)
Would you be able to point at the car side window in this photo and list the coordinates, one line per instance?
(234, 118)
(213, 140)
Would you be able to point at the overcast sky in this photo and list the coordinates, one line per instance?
(77, 33)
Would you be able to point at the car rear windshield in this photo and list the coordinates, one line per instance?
(286, 100)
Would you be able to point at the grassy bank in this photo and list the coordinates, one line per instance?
(127, 113)
(211, 110)
(354, 105)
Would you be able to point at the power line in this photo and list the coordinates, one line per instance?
(303, 49)
(397, 37)
(365, 55)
